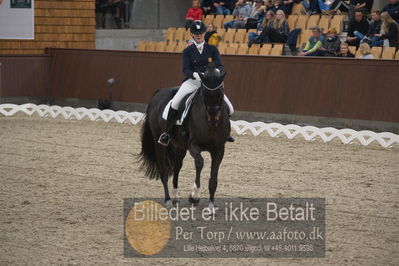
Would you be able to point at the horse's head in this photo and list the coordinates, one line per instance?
(212, 90)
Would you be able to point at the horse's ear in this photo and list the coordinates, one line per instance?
(201, 76)
(223, 75)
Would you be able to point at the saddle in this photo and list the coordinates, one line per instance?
(183, 108)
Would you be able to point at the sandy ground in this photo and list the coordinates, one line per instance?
(62, 185)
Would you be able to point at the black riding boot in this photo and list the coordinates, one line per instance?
(164, 139)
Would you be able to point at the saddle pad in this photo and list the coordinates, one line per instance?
(182, 115)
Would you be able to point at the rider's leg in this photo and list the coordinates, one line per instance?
(231, 108)
(187, 87)
(231, 111)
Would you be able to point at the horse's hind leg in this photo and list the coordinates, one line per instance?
(217, 157)
(180, 154)
(162, 163)
(199, 164)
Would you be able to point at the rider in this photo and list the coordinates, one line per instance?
(195, 59)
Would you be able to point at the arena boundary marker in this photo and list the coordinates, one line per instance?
(309, 133)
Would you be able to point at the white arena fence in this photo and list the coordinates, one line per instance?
(347, 136)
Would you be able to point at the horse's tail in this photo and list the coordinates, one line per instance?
(147, 156)
(150, 164)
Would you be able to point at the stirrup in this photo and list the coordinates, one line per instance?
(230, 139)
(164, 139)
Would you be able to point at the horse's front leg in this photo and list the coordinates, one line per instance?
(199, 164)
(217, 157)
(180, 154)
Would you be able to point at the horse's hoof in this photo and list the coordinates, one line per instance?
(193, 201)
(211, 208)
(168, 203)
(175, 202)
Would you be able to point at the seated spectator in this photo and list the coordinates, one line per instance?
(276, 32)
(389, 30)
(314, 43)
(267, 4)
(256, 12)
(277, 5)
(269, 17)
(374, 28)
(193, 13)
(207, 7)
(241, 12)
(356, 5)
(211, 36)
(344, 50)
(288, 4)
(365, 51)
(360, 25)
(230, 5)
(220, 7)
(331, 44)
(312, 7)
(393, 9)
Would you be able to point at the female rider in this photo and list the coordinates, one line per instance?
(195, 59)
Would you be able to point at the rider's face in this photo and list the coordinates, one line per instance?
(198, 38)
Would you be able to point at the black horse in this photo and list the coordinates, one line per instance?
(206, 128)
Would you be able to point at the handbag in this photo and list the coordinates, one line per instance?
(251, 23)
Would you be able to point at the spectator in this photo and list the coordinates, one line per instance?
(288, 4)
(374, 28)
(193, 13)
(220, 7)
(255, 15)
(207, 7)
(389, 30)
(277, 5)
(393, 9)
(365, 51)
(356, 5)
(230, 5)
(331, 45)
(267, 4)
(344, 51)
(211, 36)
(314, 7)
(241, 13)
(359, 24)
(102, 7)
(277, 31)
(314, 43)
(253, 36)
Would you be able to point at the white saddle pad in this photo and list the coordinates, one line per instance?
(185, 112)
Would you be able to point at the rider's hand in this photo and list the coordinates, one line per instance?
(196, 76)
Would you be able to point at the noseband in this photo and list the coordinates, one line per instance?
(210, 89)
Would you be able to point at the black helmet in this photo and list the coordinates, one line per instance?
(197, 27)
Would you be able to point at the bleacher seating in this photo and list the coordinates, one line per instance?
(324, 24)
(234, 42)
(388, 53)
(313, 21)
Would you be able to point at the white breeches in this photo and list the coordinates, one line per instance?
(190, 86)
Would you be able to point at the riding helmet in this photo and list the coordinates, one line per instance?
(197, 27)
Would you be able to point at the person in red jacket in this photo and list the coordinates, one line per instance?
(193, 13)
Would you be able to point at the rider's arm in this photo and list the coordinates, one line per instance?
(186, 64)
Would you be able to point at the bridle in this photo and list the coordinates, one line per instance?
(217, 108)
(210, 89)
